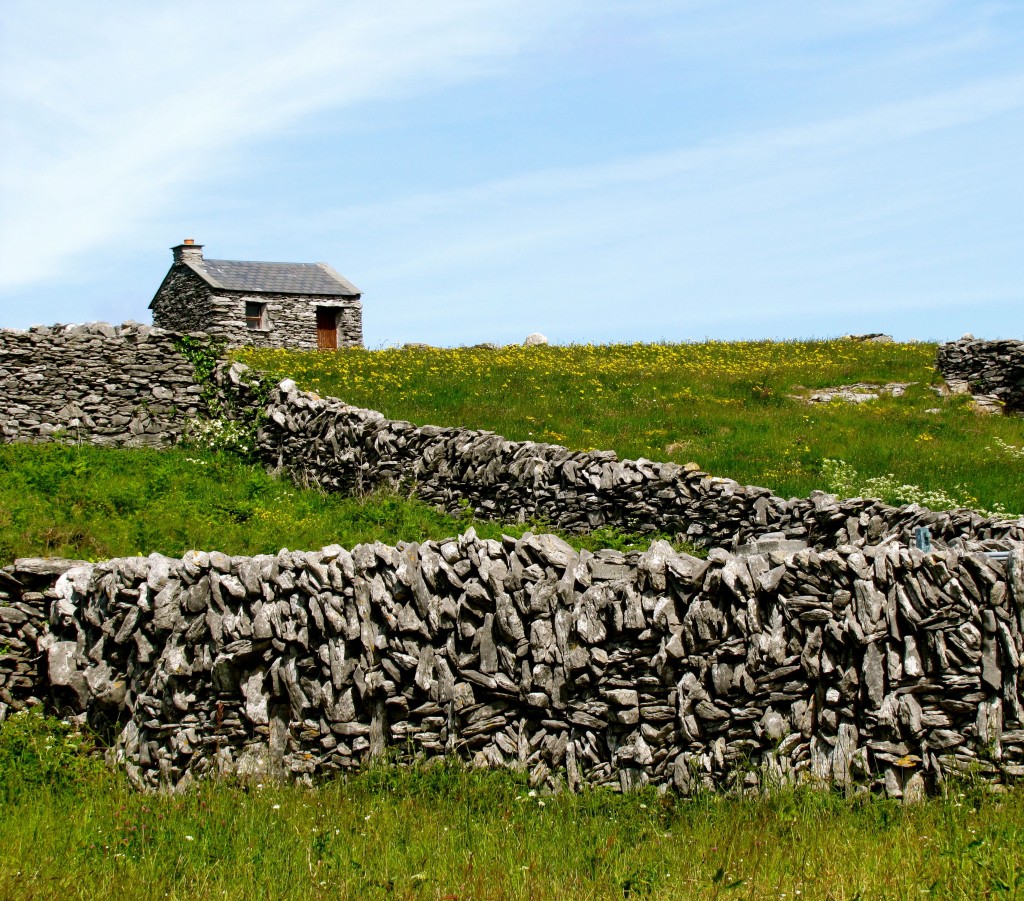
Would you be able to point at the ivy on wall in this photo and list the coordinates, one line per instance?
(233, 417)
(204, 355)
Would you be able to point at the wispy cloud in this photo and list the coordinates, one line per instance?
(833, 218)
(119, 106)
(634, 186)
(717, 160)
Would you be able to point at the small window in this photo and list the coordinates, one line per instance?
(256, 316)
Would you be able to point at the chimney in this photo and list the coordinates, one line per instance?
(188, 252)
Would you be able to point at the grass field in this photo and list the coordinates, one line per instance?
(728, 406)
(93, 503)
(70, 829)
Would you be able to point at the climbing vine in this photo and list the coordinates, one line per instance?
(233, 418)
(204, 355)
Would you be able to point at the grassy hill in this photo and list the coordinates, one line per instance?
(738, 409)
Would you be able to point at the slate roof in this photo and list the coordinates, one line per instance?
(274, 278)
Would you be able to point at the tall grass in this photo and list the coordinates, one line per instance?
(93, 503)
(445, 832)
(738, 409)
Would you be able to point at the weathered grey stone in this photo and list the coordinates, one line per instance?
(623, 697)
(61, 662)
(914, 789)
(325, 442)
(805, 662)
(991, 370)
(488, 649)
(874, 678)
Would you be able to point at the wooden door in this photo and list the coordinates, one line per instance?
(326, 328)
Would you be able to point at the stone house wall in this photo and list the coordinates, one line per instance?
(183, 302)
(291, 320)
(186, 303)
(881, 667)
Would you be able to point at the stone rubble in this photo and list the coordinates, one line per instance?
(858, 393)
(989, 404)
(871, 338)
(991, 371)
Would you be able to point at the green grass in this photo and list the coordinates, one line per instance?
(727, 406)
(71, 828)
(448, 833)
(94, 503)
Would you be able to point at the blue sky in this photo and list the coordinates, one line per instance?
(593, 170)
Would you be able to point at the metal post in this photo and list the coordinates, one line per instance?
(923, 538)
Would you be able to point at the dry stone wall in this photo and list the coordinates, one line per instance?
(325, 442)
(879, 666)
(108, 385)
(859, 661)
(130, 385)
(994, 368)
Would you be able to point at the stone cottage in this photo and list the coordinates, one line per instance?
(302, 305)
